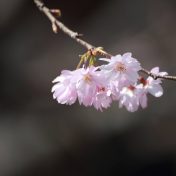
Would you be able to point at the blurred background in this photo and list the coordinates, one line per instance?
(39, 137)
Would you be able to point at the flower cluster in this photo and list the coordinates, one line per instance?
(118, 80)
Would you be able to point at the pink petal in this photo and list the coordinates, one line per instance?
(143, 101)
(156, 90)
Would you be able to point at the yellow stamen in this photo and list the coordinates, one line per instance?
(120, 67)
(88, 78)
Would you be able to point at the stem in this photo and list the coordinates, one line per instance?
(76, 37)
(156, 76)
(62, 27)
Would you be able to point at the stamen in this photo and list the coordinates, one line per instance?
(120, 67)
(101, 89)
(132, 88)
(143, 81)
(88, 78)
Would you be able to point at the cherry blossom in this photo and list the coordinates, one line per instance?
(87, 85)
(142, 95)
(118, 80)
(123, 68)
(129, 98)
(132, 97)
(102, 99)
(151, 85)
(65, 88)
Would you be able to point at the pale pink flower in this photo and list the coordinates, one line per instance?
(99, 86)
(153, 86)
(64, 91)
(122, 68)
(87, 85)
(132, 97)
(83, 84)
(142, 95)
(115, 88)
(129, 98)
(102, 99)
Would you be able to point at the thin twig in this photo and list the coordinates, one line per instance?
(76, 36)
(156, 76)
(62, 27)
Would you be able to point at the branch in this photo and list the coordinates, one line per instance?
(62, 27)
(155, 76)
(76, 36)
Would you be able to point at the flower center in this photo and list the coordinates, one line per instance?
(143, 81)
(101, 89)
(132, 88)
(120, 67)
(88, 78)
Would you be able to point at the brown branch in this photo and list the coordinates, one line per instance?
(156, 76)
(62, 27)
(76, 36)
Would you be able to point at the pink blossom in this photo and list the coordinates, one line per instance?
(99, 86)
(102, 99)
(83, 84)
(132, 97)
(87, 85)
(129, 98)
(114, 88)
(153, 86)
(65, 88)
(142, 96)
(122, 68)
